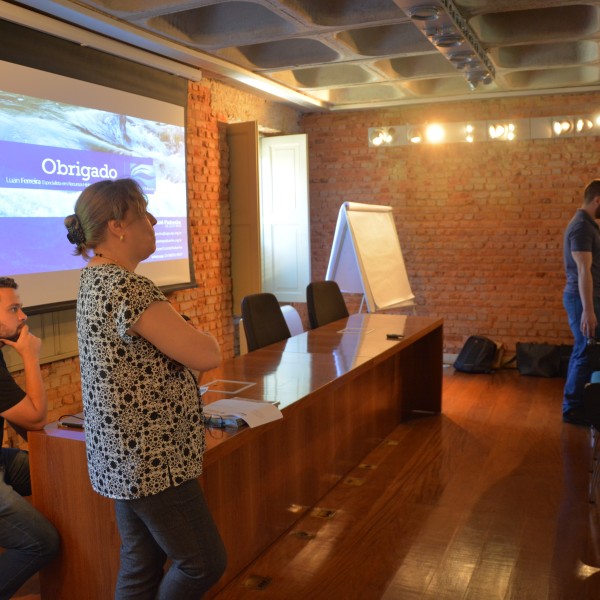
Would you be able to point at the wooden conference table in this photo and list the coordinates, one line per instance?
(341, 388)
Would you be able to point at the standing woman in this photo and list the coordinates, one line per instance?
(143, 419)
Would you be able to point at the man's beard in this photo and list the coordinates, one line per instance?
(12, 338)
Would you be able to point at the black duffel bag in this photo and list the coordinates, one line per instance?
(543, 360)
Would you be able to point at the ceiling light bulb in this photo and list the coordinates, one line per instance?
(567, 126)
(377, 141)
(414, 135)
(469, 129)
(435, 133)
(583, 125)
(496, 131)
(562, 126)
(388, 135)
(557, 127)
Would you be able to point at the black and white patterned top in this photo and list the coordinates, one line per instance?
(143, 419)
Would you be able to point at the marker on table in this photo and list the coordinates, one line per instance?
(71, 424)
(394, 336)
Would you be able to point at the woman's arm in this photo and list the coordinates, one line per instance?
(166, 329)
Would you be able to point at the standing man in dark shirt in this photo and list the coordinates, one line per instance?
(581, 297)
(28, 539)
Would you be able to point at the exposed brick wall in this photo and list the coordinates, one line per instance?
(208, 304)
(480, 224)
(234, 105)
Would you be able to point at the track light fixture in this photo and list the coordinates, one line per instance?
(426, 12)
(446, 39)
(450, 33)
(502, 131)
(461, 59)
(485, 131)
(560, 127)
(415, 135)
(382, 136)
(573, 126)
(582, 125)
(469, 133)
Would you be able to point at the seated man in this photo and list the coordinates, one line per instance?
(27, 537)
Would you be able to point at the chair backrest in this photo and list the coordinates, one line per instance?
(325, 303)
(263, 320)
(293, 320)
(591, 403)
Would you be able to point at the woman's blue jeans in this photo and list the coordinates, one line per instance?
(579, 370)
(28, 538)
(174, 524)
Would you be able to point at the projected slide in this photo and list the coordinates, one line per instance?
(52, 149)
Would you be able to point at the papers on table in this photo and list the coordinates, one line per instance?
(252, 412)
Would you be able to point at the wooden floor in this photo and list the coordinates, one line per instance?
(486, 501)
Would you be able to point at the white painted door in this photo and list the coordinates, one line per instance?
(285, 218)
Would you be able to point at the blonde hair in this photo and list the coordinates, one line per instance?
(98, 204)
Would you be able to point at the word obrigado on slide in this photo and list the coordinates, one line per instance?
(52, 167)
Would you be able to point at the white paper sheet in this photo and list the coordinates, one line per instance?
(253, 412)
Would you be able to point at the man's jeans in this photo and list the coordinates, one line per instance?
(29, 540)
(579, 371)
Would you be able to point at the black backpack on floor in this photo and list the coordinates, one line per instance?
(476, 356)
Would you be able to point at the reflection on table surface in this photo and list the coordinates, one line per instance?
(288, 371)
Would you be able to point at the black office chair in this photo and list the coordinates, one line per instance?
(325, 303)
(263, 320)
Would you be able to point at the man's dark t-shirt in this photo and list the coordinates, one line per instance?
(10, 393)
(581, 235)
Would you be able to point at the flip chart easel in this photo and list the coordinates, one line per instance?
(366, 257)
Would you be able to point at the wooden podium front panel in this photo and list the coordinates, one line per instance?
(89, 560)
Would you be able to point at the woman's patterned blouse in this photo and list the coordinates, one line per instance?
(143, 418)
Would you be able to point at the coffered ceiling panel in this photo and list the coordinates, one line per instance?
(346, 54)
